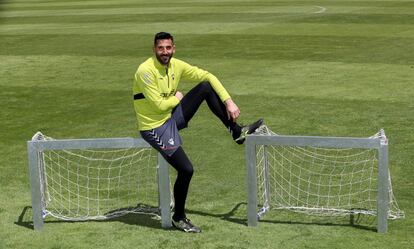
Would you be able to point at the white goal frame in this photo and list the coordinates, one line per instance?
(35, 148)
(380, 143)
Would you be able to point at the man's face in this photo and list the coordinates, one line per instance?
(164, 50)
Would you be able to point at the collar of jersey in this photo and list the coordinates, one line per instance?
(158, 65)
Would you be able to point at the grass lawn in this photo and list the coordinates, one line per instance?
(309, 67)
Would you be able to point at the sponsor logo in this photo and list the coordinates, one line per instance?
(165, 95)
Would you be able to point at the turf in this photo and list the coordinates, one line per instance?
(326, 68)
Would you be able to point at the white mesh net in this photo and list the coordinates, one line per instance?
(85, 184)
(319, 181)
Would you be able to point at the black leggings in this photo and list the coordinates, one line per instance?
(193, 99)
(179, 160)
(182, 164)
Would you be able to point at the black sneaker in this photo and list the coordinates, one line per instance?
(186, 226)
(248, 129)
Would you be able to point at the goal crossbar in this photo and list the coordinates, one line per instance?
(98, 143)
(37, 146)
(327, 142)
(378, 143)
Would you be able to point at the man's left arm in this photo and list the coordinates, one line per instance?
(196, 74)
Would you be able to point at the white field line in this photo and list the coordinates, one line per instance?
(320, 10)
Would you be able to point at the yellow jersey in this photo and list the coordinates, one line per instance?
(155, 86)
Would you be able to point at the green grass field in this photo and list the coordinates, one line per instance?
(309, 67)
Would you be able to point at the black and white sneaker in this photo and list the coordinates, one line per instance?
(186, 226)
(248, 129)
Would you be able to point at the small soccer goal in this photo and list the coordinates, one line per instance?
(325, 176)
(96, 179)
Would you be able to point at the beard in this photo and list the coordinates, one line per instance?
(164, 59)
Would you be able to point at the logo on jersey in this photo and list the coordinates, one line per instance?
(146, 78)
(171, 141)
(166, 95)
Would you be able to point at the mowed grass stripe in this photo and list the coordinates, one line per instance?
(127, 28)
(354, 49)
(316, 114)
(149, 10)
(234, 28)
(347, 81)
(16, 5)
(211, 9)
(217, 18)
(378, 19)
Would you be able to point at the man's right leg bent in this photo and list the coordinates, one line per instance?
(204, 91)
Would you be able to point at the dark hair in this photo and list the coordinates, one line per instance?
(163, 36)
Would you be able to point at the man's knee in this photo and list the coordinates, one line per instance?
(186, 172)
(189, 171)
(205, 86)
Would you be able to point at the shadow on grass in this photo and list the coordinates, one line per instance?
(150, 219)
(323, 223)
(357, 221)
(25, 219)
(229, 216)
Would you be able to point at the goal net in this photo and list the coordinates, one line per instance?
(319, 175)
(94, 179)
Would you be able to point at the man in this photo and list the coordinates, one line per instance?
(162, 111)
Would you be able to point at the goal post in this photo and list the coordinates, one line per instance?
(328, 176)
(95, 179)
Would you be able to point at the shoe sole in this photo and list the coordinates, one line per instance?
(186, 230)
(254, 127)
